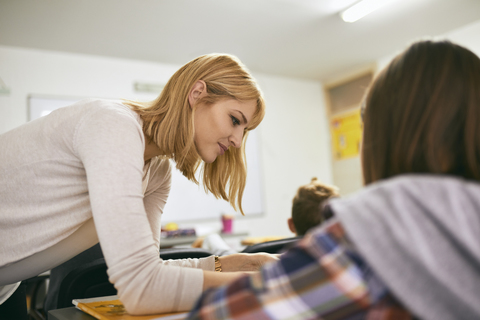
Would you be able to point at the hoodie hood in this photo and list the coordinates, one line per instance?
(421, 235)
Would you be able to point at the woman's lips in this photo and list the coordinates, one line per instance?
(222, 149)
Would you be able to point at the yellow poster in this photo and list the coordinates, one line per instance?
(346, 130)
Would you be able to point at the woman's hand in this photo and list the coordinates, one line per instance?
(246, 261)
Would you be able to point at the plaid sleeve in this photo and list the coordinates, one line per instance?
(322, 277)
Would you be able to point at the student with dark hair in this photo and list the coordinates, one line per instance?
(407, 245)
(308, 204)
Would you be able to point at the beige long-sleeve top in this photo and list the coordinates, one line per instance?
(82, 162)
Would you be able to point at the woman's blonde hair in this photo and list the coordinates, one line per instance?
(169, 121)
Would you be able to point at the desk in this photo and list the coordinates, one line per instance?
(71, 313)
(176, 241)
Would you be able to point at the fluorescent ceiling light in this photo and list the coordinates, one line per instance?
(362, 8)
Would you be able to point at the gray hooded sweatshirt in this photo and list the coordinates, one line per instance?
(421, 235)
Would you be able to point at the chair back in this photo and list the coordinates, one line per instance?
(86, 281)
(275, 246)
(184, 253)
(90, 280)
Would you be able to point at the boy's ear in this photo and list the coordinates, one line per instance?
(198, 90)
(291, 226)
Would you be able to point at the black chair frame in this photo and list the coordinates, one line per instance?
(273, 247)
(90, 279)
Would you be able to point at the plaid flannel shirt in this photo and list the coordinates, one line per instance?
(322, 277)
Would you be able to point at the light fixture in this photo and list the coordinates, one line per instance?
(148, 87)
(362, 8)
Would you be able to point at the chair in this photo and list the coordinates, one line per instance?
(58, 274)
(90, 279)
(275, 246)
(184, 253)
(35, 292)
(86, 281)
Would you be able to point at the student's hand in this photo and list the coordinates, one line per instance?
(246, 261)
(198, 243)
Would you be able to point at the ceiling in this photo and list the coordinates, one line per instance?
(294, 38)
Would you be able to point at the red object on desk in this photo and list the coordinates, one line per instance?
(227, 223)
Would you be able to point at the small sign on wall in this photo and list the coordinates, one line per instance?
(346, 131)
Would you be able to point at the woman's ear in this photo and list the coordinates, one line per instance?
(199, 90)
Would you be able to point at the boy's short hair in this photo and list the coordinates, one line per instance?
(308, 203)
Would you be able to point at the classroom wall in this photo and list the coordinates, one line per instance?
(295, 143)
(467, 36)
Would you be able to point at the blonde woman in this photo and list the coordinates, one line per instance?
(99, 171)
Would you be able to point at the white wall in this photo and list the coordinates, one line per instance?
(350, 169)
(467, 36)
(295, 140)
(295, 147)
(58, 74)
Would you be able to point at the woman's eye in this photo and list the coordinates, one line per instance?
(235, 120)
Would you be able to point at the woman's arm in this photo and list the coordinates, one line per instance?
(246, 261)
(212, 279)
(156, 193)
(110, 144)
(234, 266)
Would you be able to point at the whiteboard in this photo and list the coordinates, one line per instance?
(41, 106)
(187, 201)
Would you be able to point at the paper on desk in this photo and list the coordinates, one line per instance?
(105, 298)
(109, 308)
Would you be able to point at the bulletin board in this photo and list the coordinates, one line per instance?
(346, 131)
(187, 201)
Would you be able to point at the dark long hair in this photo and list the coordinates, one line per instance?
(422, 114)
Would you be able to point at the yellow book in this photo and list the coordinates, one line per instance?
(110, 308)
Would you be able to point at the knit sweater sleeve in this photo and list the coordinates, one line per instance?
(156, 194)
(110, 145)
(155, 199)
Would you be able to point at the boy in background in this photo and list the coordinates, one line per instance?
(306, 214)
(307, 206)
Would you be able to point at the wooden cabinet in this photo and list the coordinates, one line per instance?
(344, 97)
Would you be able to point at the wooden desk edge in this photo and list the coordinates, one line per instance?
(70, 313)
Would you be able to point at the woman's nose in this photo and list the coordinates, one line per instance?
(236, 139)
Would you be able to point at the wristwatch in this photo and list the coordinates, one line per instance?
(218, 265)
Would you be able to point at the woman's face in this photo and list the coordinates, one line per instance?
(220, 126)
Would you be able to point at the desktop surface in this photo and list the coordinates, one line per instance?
(70, 313)
(188, 240)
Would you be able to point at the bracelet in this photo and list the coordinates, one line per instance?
(218, 265)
